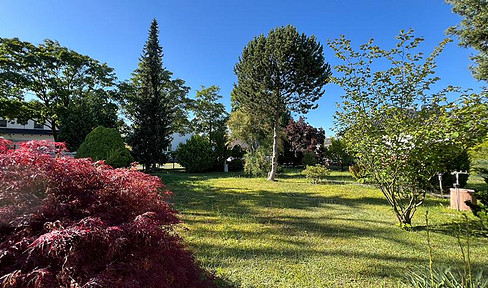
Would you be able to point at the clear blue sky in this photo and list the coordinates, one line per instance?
(202, 40)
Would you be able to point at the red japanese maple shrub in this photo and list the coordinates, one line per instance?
(68, 222)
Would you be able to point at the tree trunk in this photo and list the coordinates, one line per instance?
(274, 159)
(54, 131)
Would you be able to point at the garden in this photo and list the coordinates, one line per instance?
(291, 233)
(254, 197)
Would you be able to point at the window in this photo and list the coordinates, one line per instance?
(3, 123)
(38, 125)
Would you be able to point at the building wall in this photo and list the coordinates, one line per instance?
(29, 135)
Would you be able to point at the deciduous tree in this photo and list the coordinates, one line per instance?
(53, 74)
(303, 137)
(395, 126)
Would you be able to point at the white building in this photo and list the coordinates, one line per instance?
(18, 133)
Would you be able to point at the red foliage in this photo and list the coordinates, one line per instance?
(304, 137)
(68, 222)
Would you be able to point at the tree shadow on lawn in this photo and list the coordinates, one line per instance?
(457, 228)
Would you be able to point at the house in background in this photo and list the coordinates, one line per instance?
(18, 133)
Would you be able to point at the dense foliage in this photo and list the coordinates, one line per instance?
(479, 159)
(480, 210)
(196, 154)
(210, 121)
(55, 75)
(315, 173)
(336, 154)
(359, 172)
(105, 144)
(395, 127)
(68, 222)
(256, 163)
(283, 71)
(85, 114)
(303, 137)
(473, 31)
(309, 158)
(153, 102)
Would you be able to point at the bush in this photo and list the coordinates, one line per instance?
(105, 144)
(257, 163)
(359, 172)
(315, 174)
(68, 222)
(445, 277)
(479, 157)
(309, 158)
(480, 210)
(236, 165)
(480, 166)
(196, 154)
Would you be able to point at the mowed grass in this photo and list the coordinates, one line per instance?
(289, 233)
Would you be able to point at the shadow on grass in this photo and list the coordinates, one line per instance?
(233, 207)
(457, 228)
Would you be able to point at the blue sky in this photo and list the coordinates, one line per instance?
(202, 40)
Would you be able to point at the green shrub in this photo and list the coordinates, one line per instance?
(316, 174)
(257, 163)
(309, 158)
(480, 166)
(479, 159)
(236, 165)
(480, 210)
(105, 144)
(196, 154)
(358, 171)
(120, 158)
(445, 277)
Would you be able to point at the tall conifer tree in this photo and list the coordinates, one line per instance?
(154, 103)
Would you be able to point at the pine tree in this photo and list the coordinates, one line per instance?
(281, 72)
(154, 103)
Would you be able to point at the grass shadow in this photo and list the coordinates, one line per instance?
(455, 228)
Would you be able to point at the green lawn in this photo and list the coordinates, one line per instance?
(289, 233)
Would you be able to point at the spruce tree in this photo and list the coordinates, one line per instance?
(153, 103)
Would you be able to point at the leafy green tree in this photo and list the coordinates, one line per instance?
(283, 71)
(54, 74)
(210, 120)
(396, 128)
(196, 154)
(337, 153)
(85, 114)
(473, 31)
(209, 114)
(152, 103)
(479, 158)
(250, 130)
(105, 144)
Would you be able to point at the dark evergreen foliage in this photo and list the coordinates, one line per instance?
(283, 71)
(105, 144)
(153, 103)
(196, 154)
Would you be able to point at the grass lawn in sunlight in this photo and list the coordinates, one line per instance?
(290, 233)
